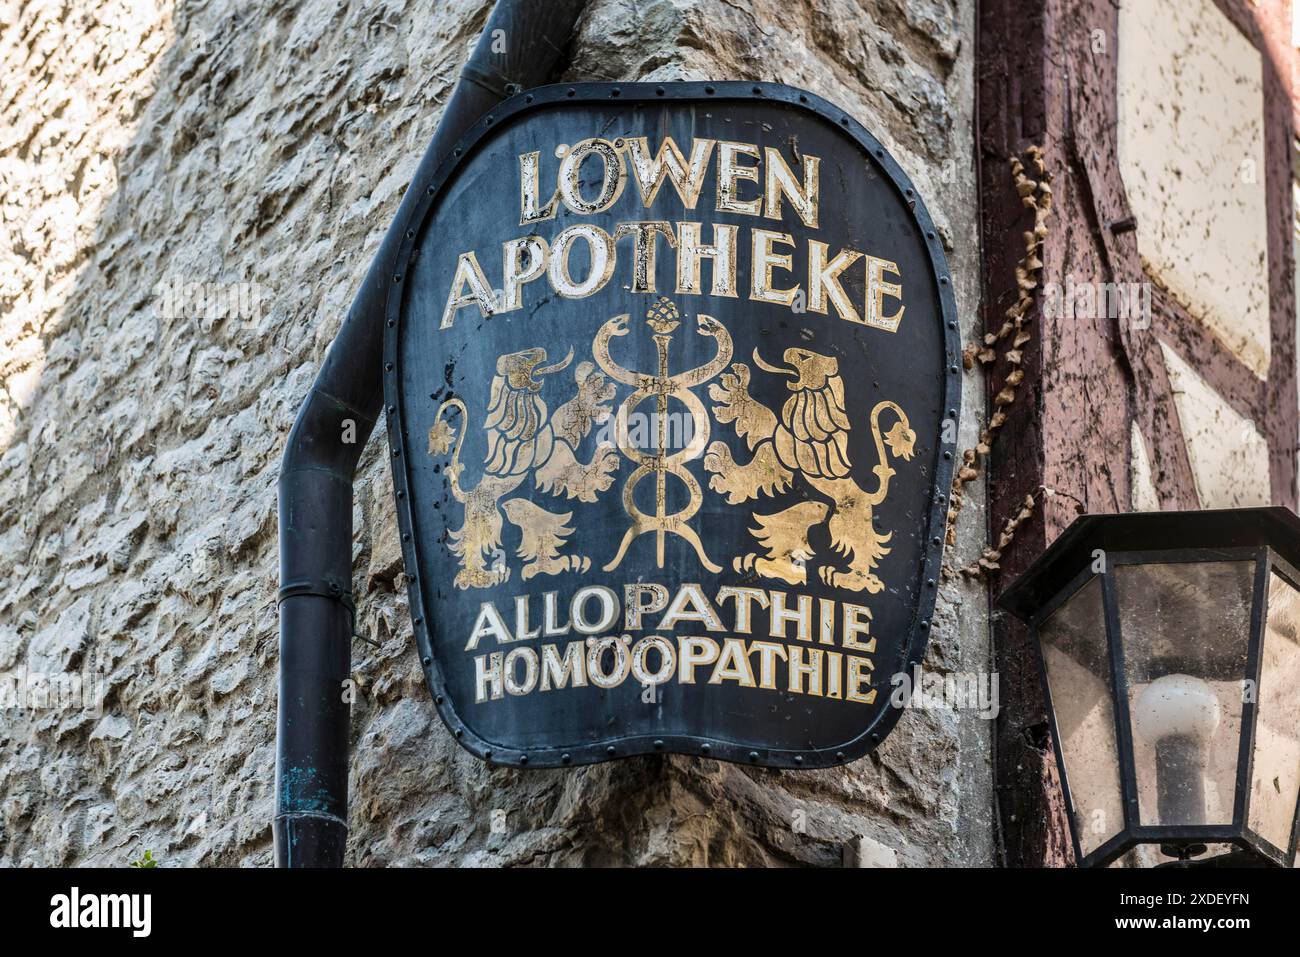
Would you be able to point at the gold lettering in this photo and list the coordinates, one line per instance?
(529, 210)
(468, 273)
(613, 176)
(689, 604)
(601, 245)
(823, 280)
(781, 181)
(487, 679)
(859, 675)
(854, 625)
(634, 608)
(798, 669)
(733, 664)
(687, 178)
(768, 652)
(833, 676)
(762, 264)
(693, 653)
(557, 671)
(877, 289)
(488, 625)
(529, 658)
(525, 260)
(780, 615)
(742, 597)
(643, 250)
(730, 174)
(723, 253)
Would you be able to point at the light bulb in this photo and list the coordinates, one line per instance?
(1176, 706)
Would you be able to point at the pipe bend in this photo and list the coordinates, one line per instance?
(520, 47)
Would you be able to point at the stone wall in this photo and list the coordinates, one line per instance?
(268, 145)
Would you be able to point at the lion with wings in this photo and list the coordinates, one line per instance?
(810, 440)
(523, 439)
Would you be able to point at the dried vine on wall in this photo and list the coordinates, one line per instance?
(1036, 194)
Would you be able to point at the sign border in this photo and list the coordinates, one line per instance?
(913, 649)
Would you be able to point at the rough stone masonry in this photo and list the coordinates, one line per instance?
(251, 156)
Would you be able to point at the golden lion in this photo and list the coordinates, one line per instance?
(521, 438)
(812, 440)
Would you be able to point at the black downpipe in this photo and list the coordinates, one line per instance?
(519, 48)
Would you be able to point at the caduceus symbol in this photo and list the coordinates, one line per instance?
(662, 319)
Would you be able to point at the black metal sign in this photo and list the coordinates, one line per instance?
(668, 370)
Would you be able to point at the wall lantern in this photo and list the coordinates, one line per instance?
(1170, 656)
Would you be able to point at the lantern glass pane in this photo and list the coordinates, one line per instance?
(1275, 777)
(1077, 661)
(1185, 629)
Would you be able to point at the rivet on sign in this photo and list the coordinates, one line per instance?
(952, 369)
(943, 280)
(571, 92)
(659, 91)
(528, 98)
(753, 755)
(489, 121)
(659, 744)
(388, 366)
(487, 755)
(418, 622)
(839, 755)
(523, 759)
(929, 583)
(460, 732)
(610, 749)
(397, 278)
(406, 537)
(392, 409)
(802, 98)
(708, 90)
(391, 323)
(410, 234)
(844, 121)
(430, 189)
(936, 541)
(565, 757)
(614, 92)
(875, 736)
(930, 234)
(396, 452)
(401, 494)
(758, 91)
(925, 626)
(947, 455)
(425, 659)
(798, 759)
(438, 700)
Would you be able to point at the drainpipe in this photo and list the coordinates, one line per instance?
(519, 48)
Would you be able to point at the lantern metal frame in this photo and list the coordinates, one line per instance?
(1269, 537)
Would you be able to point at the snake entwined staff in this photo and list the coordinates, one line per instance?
(663, 320)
